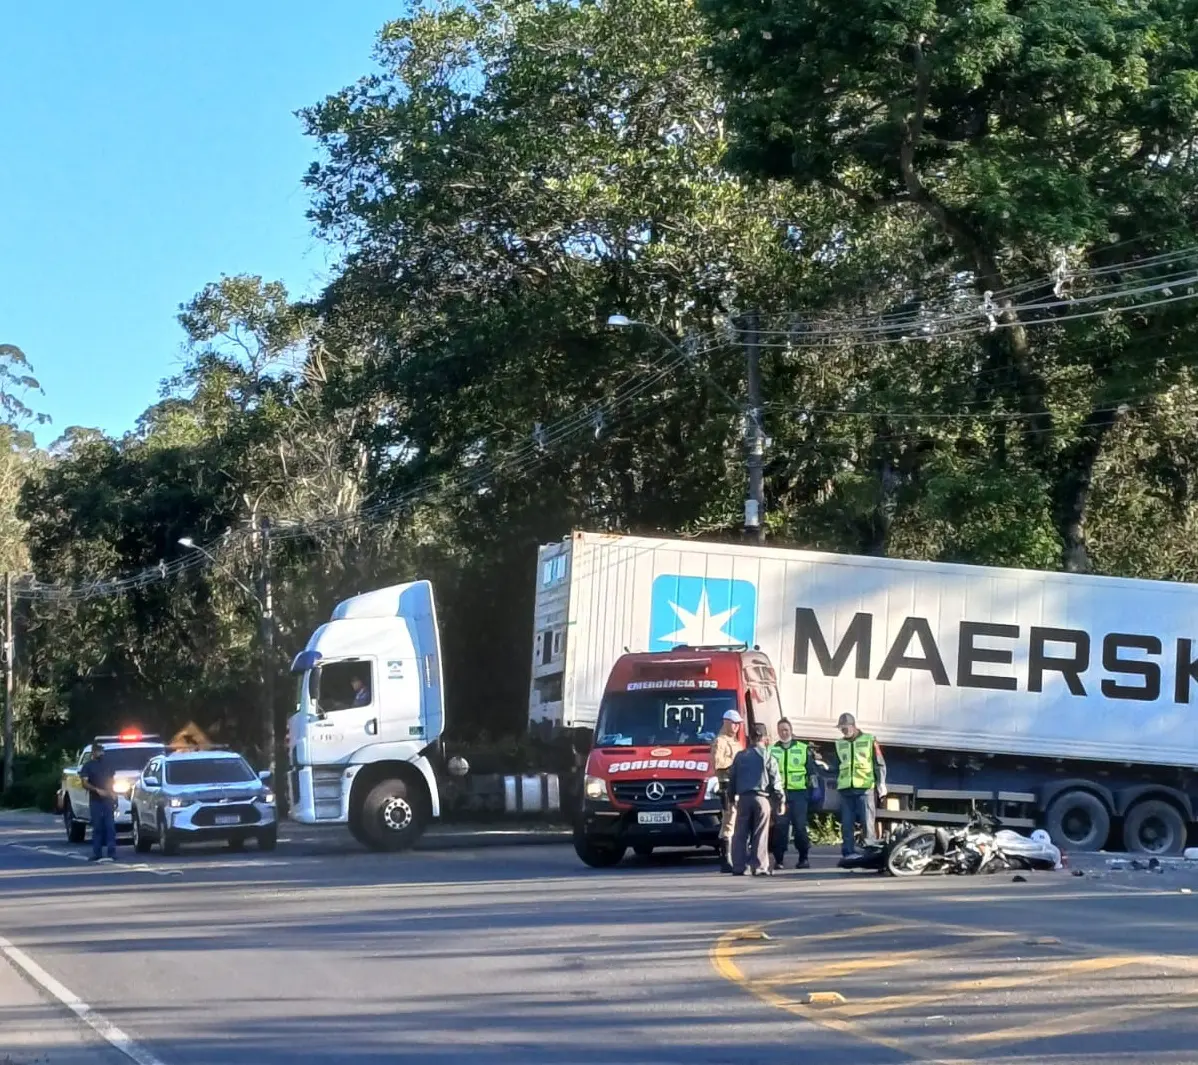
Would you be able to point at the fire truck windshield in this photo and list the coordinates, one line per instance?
(654, 718)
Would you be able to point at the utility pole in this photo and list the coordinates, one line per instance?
(10, 646)
(269, 742)
(754, 436)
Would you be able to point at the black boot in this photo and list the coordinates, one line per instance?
(725, 858)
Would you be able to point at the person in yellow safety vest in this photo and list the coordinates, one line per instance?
(861, 767)
(800, 780)
(724, 749)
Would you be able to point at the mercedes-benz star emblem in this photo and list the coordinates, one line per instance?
(656, 790)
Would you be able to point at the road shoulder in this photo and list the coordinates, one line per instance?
(36, 1029)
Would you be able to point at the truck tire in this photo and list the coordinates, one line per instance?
(1154, 827)
(393, 816)
(1078, 820)
(597, 855)
(76, 830)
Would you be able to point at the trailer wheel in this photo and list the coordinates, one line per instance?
(1078, 820)
(1154, 827)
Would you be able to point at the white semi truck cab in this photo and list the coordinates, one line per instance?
(369, 718)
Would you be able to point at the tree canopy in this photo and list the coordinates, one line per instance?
(967, 234)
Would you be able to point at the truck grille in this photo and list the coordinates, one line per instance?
(632, 792)
(206, 816)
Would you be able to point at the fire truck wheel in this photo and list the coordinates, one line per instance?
(598, 855)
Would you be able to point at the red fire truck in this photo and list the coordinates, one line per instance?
(649, 778)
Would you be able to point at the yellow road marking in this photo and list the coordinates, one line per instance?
(722, 959)
(843, 1018)
(889, 1003)
(1077, 1022)
(849, 966)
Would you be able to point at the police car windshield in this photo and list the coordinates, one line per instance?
(209, 771)
(651, 718)
(122, 759)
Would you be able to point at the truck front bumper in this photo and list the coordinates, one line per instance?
(688, 826)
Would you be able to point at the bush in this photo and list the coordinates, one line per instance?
(35, 782)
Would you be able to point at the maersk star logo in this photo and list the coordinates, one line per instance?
(701, 610)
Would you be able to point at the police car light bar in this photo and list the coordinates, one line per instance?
(130, 735)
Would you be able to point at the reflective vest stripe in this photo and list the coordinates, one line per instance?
(792, 761)
(856, 759)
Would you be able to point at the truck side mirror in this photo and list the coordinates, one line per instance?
(264, 775)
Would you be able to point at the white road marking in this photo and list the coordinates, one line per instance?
(98, 1023)
(124, 867)
(200, 862)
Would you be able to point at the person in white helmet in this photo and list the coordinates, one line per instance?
(724, 749)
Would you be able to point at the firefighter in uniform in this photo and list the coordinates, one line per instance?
(800, 780)
(724, 749)
(861, 767)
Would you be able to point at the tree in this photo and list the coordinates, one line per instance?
(1019, 135)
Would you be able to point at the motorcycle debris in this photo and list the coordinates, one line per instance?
(1019, 879)
(1079, 872)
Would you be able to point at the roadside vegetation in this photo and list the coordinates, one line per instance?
(969, 233)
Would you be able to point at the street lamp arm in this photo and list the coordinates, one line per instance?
(191, 545)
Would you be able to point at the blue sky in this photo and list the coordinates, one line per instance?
(146, 149)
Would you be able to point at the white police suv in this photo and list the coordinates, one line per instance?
(194, 796)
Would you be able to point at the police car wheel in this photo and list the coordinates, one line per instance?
(269, 840)
(76, 830)
(167, 840)
(236, 843)
(141, 842)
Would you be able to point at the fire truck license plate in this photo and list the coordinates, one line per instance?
(228, 819)
(645, 817)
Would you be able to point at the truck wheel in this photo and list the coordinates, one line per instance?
(76, 830)
(393, 816)
(1154, 827)
(141, 843)
(1078, 820)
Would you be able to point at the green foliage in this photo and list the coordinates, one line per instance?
(509, 175)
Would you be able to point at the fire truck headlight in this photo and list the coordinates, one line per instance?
(595, 789)
(713, 788)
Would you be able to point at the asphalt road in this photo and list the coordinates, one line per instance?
(521, 954)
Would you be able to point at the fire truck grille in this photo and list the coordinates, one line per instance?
(633, 792)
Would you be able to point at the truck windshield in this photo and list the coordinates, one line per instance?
(121, 759)
(651, 718)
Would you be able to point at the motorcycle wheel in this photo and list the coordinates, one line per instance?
(911, 855)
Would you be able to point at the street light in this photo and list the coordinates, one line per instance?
(276, 750)
(191, 545)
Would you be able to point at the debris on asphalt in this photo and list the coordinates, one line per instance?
(1186, 891)
(1019, 879)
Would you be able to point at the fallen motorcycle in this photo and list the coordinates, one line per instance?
(977, 847)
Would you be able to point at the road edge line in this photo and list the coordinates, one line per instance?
(97, 1022)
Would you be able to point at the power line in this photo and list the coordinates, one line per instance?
(976, 319)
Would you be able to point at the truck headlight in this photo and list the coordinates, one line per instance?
(712, 791)
(595, 789)
(121, 787)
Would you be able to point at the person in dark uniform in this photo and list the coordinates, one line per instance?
(96, 777)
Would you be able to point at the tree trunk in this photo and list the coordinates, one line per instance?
(1071, 492)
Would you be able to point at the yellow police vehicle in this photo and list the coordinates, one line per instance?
(126, 754)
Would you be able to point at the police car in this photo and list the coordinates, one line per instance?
(192, 796)
(126, 754)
